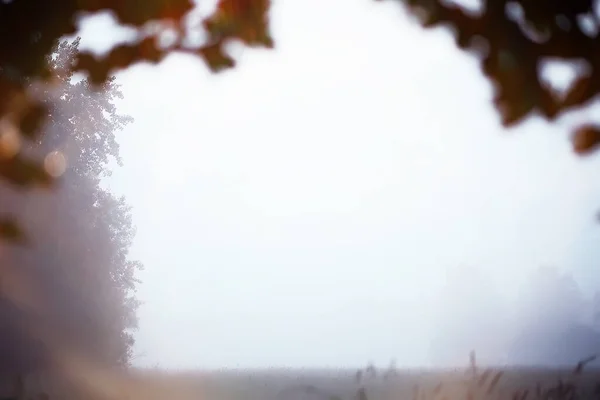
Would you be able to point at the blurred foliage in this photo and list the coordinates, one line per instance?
(76, 262)
(31, 29)
(9, 229)
(514, 40)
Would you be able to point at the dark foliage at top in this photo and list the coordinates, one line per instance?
(513, 39)
(30, 30)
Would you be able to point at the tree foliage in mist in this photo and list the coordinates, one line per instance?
(77, 236)
(554, 321)
(30, 29)
(550, 322)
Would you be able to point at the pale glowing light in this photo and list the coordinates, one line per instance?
(55, 164)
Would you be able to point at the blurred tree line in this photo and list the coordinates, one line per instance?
(550, 321)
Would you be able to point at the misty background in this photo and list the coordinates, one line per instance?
(349, 198)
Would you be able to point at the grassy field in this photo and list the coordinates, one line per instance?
(468, 383)
(517, 384)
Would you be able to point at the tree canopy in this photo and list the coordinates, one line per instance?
(76, 263)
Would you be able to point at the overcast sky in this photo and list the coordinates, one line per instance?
(304, 208)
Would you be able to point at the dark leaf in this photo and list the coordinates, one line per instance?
(586, 139)
(10, 230)
(215, 58)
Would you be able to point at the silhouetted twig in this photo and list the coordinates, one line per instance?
(581, 364)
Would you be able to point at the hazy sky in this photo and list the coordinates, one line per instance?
(304, 208)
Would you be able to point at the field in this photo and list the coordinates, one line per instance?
(518, 384)
(288, 384)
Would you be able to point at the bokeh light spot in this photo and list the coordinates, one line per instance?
(55, 164)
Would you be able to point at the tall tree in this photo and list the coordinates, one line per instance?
(78, 236)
